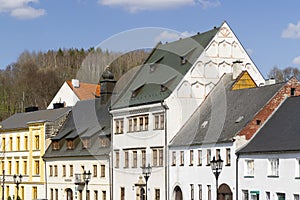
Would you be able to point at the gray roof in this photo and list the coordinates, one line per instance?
(163, 70)
(21, 120)
(223, 113)
(280, 133)
(88, 119)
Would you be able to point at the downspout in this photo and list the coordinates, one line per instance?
(166, 153)
(237, 176)
(111, 157)
(46, 181)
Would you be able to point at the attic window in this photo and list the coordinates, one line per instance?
(86, 143)
(163, 88)
(155, 64)
(70, 144)
(239, 119)
(204, 124)
(104, 141)
(258, 122)
(136, 91)
(55, 145)
(183, 60)
(293, 91)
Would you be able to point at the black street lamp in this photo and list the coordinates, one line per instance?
(147, 172)
(216, 167)
(17, 181)
(87, 178)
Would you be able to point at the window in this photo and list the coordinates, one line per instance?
(143, 158)
(3, 144)
(208, 157)
(157, 194)
(50, 170)
(10, 143)
(126, 159)
(24, 167)
(86, 143)
(9, 167)
(55, 145)
(274, 167)
(217, 153)
(296, 197)
(71, 171)
(199, 157)
(95, 170)
(267, 195)
(37, 167)
(228, 157)
(249, 168)
(2, 166)
(293, 90)
(245, 195)
(37, 142)
(102, 170)
(119, 126)
(134, 159)
(154, 157)
(56, 194)
(88, 195)
(51, 194)
(64, 171)
(159, 121)
(192, 191)
(103, 195)
(157, 157)
(34, 192)
(138, 123)
(18, 143)
(104, 141)
(191, 157)
(122, 193)
(117, 159)
(26, 142)
(55, 170)
(95, 195)
(209, 192)
(200, 191)
(181, 158)
(174, 158)
(70, 144)
(17, 167)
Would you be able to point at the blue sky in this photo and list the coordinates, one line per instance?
(269, 30)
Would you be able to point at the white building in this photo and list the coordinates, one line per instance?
(269, 165)
(81, 146)
(164, 93)
(73, 91)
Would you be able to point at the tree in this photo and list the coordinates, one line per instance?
(281, 75)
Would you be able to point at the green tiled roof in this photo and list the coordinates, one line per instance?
(163, 70)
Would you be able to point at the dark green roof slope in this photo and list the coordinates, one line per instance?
(163, 70)
(21, 120)
(88, 119)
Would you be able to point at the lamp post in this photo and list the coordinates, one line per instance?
(17, 181)
(86, 178)
(147, 172)
(216, 167)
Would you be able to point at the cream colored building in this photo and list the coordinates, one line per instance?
(24, 139)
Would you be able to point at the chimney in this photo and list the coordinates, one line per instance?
(107, 84)
(237, 68)
(75, 83)
(31, 109)
(58, 105)
(270, 81)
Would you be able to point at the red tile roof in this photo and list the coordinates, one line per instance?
(85, 91)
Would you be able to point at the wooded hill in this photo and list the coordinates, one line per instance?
(35, 77)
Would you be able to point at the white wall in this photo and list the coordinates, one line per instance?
(288, 181)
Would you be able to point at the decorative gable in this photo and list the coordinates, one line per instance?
(244, 81)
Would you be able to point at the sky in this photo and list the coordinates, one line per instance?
(268, 30)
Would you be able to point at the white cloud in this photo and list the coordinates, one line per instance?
(168, 36)
(21, 9)
(296, 60)
(134, 6)
(292, 31)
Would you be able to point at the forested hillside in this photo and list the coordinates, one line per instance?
(35, 77)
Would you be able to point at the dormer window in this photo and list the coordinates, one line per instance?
(70, 144)
(163, 88)
(155, 64)
(55, 145)
(183, 60)
(86, 143)
(104, 141)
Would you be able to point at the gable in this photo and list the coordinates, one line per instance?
(244, 81)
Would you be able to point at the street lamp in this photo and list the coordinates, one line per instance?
(216, 167)
(87, 178)
(17, 181)
(147, 172)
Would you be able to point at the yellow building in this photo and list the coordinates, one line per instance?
(24, 139)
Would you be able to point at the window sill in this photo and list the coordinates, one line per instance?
(248, 176)
(158, 129)
(191, 165)
(227, 165)
(119, 133)
(272, 176)
(199, 165)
